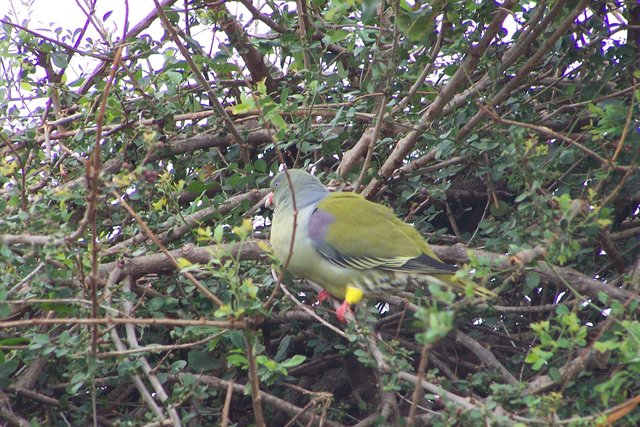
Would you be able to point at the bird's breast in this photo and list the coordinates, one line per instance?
(308, 263)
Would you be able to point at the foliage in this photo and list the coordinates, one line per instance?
(136, 283)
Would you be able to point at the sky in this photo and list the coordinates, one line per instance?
(67, 13)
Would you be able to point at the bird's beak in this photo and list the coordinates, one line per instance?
(269, 202)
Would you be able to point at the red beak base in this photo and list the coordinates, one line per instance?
(269, 202)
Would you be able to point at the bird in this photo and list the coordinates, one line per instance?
(352, 247)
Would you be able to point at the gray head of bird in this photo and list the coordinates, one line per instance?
(307, 190)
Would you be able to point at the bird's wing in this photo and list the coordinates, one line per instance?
(351, 231)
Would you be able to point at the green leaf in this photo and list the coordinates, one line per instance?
(14, 341)
(155, 303)
(237, 360)
(562, 310)
(554, 374)
(603, 346)
(202, 361)
(6, 371)
(59, 59)
(218, 232)
(335, 36)
(500, 210)
(294, 361)
(532, 281)
(369, 10)
(416, 25)
(283, 348)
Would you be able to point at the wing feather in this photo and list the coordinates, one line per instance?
(352, 232)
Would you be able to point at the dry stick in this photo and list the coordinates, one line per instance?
(90, 14)
(227, 404)
(164, 250)
(621, 410)
(158, 262)
(432, 388)
(263, 17)
(556, 275)
(322, 396)
(389, 402)
(536, 26)
(423, 160)
(269, 399)
(452, 221)
(302, 32)
(372, 144)
(518, 309)
(25, 280)
(354, 154)
(553, 134)
(228, 324)
(383, 108)
(58, 301)
(422, 366)
(231, 127)
(137, 381)
(66, 47)
(311, 312)
(200, 115)
(189, 221)
(533, 61)
(383, 102)
(406, 144)
(114, 277)
(628, 173)
(611, 250)
(7, 413)
(137, 29)
(256, 398)
(596, 101)
(293, 420)
(48, 400)
(157, 348)
(93, 176)
(425, 72)
(127, 308)
(23, 173)
(486, 356)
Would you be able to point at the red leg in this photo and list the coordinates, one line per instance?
(322, 296)
(342, 311)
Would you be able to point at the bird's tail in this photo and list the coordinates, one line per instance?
(464, 285)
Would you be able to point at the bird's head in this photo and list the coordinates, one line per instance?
(308, 189)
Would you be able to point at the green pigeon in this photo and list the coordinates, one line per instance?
(350, 246)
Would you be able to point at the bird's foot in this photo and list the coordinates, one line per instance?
(323, 295)
(342, 311)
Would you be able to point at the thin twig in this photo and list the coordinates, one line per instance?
(422, 366)
(437, 390)
(256, 398)
(308, 310)
(164, 250)
(132, 339)
(276, 402)
(485, 356)
(228, 324)
(158, 348)
(227, 404)
(213, 97)
(93, 178)
(553, 134)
